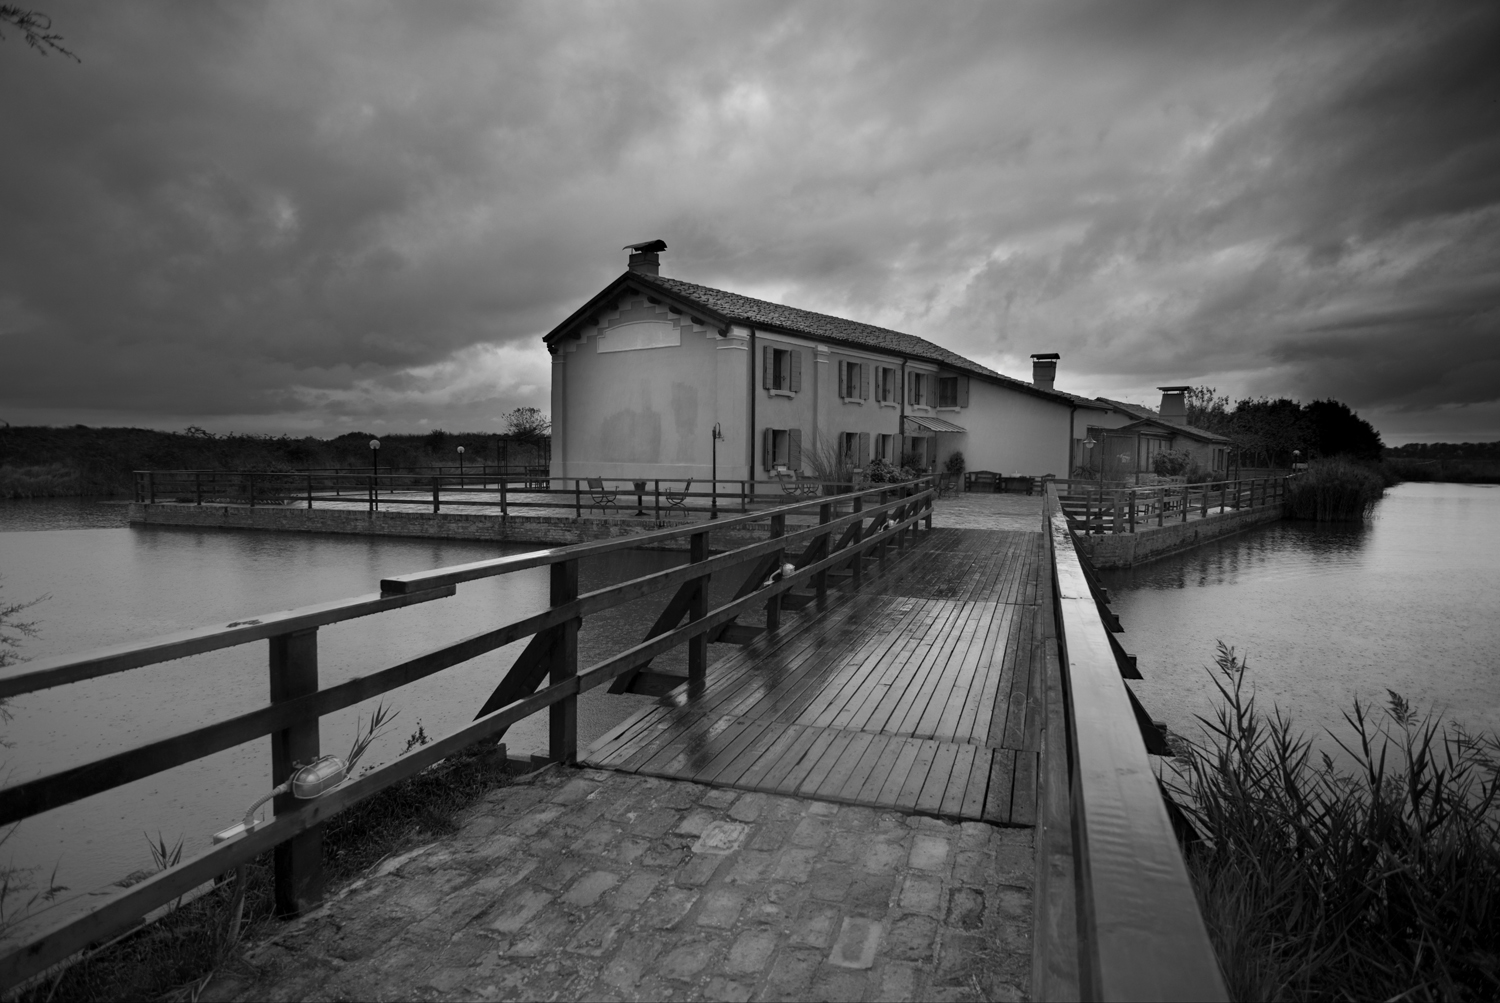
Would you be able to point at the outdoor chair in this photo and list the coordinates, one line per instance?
(676, 498)
(600, 498)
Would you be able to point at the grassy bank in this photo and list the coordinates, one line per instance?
(42, 462)
(1460, 471)
(1334, 490)
(176, 956)
(1380, 882)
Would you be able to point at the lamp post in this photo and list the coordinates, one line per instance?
(1088, 458)
(713, 504)
(460, 467)
(374, 474)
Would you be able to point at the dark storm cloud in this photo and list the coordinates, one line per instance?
(325, 216)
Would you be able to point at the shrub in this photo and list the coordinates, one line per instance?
(1334, 490)
(955, 464)
(1170, 463)
(1319, 883)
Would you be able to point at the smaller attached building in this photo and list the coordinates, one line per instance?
(1128, 451)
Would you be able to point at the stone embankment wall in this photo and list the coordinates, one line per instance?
(1123, 550)
(552, 530)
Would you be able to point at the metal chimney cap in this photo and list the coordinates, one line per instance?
(1045, 355)
(1174, 390)
(646, 246)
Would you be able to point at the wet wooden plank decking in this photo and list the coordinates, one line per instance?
(922, 692)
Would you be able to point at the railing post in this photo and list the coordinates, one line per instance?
(744, 505)
(858, 567)
(880, 548)
(151, 486)
(562, 723)
(1203, 501)
(251, 478)
(820, 580)
(298, 861)
(697, 610)
(656, 500)
(1118, 521)
(1132, 494)
(504, 508)
(435, 502)
(1161, 506)
(197, 487)
(931, 485)
(773, 604)
(577, 498)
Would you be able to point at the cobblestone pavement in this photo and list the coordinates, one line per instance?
(987, 510)
(576, 884)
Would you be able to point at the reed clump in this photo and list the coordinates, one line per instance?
(1334, 490)
(1380, 881)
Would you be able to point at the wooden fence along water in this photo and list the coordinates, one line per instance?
(491, 490)
(1109, 864)
(1097, 509)
(848, 528)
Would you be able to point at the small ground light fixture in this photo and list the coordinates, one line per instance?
(313, 780)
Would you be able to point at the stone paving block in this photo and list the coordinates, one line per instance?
(898, 983)
(928, 853)
(628, 851)
(830, 882)
(782, 808)
(812, 831)
(845, 847)
(750, 866)
(966, 908)
(770, 835)
(855, 818)
(721, 837)
(667, 910)
(574, 791)
(1013, 903)
(596, 936)
(663, 855)
(534, 821)
(839, 986)
(653, 822)
(587, 889)
(634, 890)
(911, 938)
(961, 958)
(975, 835)
(694, 822)
(721, 908)
(870, 895)
(826, 809)
(814, 928)
(517, 909)
(747, 808)
(686, 961)
(718, 798)
(973, 867)
(751, 952)
(698, 870)
(557, 873)
(857, 942)
(726, 991)
(792, 974)
(794, 864)
(882, 856)
(920, 893)
(546, 933)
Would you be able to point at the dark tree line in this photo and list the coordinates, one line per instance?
(1266, 432)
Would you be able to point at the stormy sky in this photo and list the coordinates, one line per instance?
(317, 218)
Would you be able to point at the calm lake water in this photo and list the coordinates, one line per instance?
(1410, 602)
(107, 582)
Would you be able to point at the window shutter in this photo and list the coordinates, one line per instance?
(794, 448)
(843, 372)
(864, 449)
(767, 366)
(963, 391)
(796, 381)
(864, 381)
(768, 447)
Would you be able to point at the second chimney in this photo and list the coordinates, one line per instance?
(643, 256)
(1174, 404)
(1044, 369)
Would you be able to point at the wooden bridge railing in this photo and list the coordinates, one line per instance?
(513, 490)
(1101, 509)
(850, 527)
(1138, 932)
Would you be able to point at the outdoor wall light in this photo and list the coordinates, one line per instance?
(317, 778)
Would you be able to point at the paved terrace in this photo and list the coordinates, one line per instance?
(846, 813)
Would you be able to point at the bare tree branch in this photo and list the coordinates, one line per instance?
(36, 28)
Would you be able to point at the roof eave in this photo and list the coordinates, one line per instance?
(643, 284)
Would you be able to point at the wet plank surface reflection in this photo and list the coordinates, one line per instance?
(921, 693)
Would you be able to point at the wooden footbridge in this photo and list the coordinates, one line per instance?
(865, 657)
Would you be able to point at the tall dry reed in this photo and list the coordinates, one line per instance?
(1334, 490)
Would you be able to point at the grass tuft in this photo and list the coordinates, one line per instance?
(1380, 882)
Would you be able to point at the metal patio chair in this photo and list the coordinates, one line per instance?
(600, 498)
(676, 498)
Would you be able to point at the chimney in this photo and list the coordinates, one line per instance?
(643, 257)
(1044, 369)
(1174, 404)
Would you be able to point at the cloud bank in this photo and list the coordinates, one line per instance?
(292, 217)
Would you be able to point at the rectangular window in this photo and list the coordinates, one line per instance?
(1153, 447)
(850, 389)
(947, 391)
(888, 384)
(781, 372)
(918, 393)
(849, 448)
(781, 369)
(885, 447)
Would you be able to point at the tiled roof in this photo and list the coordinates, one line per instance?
(762, 313)
(1139, 410)
(1143, 413)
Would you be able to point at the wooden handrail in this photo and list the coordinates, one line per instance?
(31, 945)
(1141, 935)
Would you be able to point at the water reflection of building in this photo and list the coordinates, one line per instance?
(647, 367)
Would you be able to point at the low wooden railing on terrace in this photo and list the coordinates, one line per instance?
(1117, 916)
(1094, 508)
(511, 492)
(850, 528)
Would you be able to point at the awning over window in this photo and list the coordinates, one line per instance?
(934, 424)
